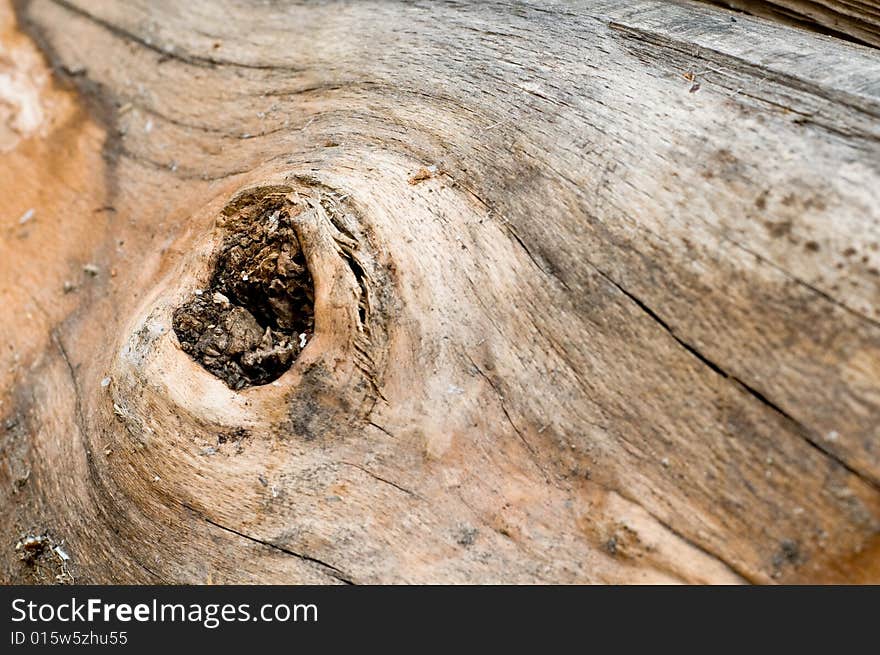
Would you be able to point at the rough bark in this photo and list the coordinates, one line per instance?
(595, 294)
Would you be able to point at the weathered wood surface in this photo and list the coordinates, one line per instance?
(628, 331)
(854, 19)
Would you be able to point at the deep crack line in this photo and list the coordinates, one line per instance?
(803, 430)
(329, 569)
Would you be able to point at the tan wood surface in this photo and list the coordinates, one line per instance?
(596, 293)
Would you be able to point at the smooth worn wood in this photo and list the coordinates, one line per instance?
(596, 294)
(853, 19)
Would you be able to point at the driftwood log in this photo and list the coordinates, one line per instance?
(362, 292)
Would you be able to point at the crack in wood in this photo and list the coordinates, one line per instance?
(381, 479)
(326, 568)
(805, 432)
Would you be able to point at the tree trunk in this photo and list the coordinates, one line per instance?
(587, 292)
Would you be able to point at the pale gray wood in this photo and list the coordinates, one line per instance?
(854, 19)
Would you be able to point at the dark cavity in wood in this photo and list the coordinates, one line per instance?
(257, 313)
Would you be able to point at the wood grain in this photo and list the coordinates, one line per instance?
(853, 19)
(625, 328)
